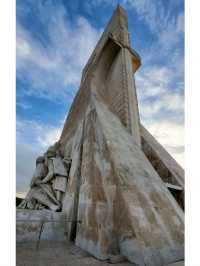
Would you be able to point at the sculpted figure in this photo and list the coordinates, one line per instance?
(49, 181)
(58, 171)
(40, 195)
(40, 172)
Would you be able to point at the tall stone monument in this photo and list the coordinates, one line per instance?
(107, 171)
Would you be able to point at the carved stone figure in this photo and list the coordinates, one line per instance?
(57, 171)
(40, 195)
(49, 181)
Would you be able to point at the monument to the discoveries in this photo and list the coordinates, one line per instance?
(107, 171)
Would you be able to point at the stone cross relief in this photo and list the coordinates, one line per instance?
(49, 181)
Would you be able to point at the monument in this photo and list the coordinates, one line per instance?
(107, 171)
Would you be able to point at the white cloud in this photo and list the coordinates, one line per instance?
(152, 81)
(53, 71)
(171, 136)
(168, 133)
(158, 93)
(169, 102)
(152, 12)
(32, 140)
(39, 135)
(26, 155)
(167, 27)
(170, 36)
(49, 137)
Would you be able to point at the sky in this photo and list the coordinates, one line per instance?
(53, 43)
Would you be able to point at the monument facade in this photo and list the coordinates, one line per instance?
(107, 171)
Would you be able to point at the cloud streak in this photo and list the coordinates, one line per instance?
(53, 71)
(170, 135)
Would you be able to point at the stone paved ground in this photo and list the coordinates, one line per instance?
(56, 254)
(59, 254)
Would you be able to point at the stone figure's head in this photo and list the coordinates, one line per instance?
(40, 159)
(58, 148)
(51, 152)
(57, 145)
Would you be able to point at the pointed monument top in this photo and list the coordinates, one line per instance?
(120, 10)
(119, 7)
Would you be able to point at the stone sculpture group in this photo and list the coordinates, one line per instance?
(49, 181)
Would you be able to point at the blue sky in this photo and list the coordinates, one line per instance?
(54, 42)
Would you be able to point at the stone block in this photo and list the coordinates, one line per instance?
(32, 225)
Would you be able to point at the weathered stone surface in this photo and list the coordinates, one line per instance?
(110, 70)
(116, 259)
(123, 204)
(176, 171)
(32, 225)
(54, 253)
(168, 169)
(59, 168)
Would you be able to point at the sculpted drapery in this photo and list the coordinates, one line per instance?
(49, 181)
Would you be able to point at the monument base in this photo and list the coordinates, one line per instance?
(36, 225)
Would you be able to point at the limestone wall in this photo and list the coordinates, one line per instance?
(123, 204)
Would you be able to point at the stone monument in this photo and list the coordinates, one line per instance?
(107, 171)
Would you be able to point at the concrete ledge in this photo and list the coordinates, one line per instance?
(34, 225)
